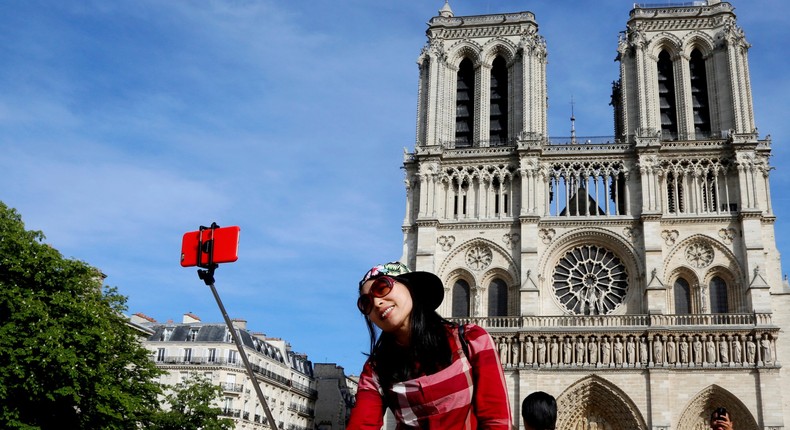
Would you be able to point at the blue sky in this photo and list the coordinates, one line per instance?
(125, 124)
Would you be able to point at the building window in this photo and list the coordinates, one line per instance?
(465, 104)
(666, 97)
(718, 296)
(212, 355)
(497, 298)
(499, 108)
(682, 294)
(160, 354)
(699, 94)
(193, 335)
(228, 406)
(187, 355)
(232, 356)
(675, 195)
(228, 336)
(460, 299)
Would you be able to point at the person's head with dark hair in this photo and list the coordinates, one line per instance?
(539, 411)
(402, 304)
(720, 419)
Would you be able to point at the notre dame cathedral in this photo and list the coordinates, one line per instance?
(634, 277)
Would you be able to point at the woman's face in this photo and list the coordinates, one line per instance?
(392, 312)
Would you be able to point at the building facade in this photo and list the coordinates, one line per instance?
(336, 393)
(634, 277)
(285, 377)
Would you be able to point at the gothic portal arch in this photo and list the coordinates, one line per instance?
(696, 414)
(594, 402)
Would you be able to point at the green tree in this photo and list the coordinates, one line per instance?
(68, 358)
(191, 407)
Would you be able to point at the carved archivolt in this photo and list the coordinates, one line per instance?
(702, 253)
(464, 49)
(499, 46)
(475, 256)
(697, 412)
(594, 402)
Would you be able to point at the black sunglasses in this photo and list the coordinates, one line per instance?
(380, 288)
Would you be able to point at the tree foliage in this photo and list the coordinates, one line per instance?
(68, 358)
(191, 407)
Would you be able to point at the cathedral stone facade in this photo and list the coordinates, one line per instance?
(635, 277)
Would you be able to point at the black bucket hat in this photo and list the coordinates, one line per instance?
(425, 286)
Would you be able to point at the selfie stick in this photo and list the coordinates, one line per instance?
(207, 275)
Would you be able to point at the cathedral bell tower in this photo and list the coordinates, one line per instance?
(482, 89)
(684, 101)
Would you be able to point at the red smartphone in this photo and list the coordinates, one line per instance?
(226, 246)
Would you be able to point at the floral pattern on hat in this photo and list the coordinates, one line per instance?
(393, 268)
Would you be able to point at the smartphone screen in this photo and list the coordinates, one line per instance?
(225, 242)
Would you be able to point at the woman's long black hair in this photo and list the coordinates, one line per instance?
(427, 353)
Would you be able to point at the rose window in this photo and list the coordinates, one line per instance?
(479, 257)
(590, 280)
(699, 254)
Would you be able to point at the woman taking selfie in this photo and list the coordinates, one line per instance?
(431, 373)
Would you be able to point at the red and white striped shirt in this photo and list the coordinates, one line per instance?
(469, 394)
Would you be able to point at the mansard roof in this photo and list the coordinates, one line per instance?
(215, 333)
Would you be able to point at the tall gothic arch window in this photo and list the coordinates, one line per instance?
(682, 294)
(675, 197)
(699, 94)
(666, 97)
(497, 298)
(465, 104)
(499, 108)
(460, 299)
(718, 296)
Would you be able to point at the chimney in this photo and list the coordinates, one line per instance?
(190, 318)
(141, 318)
(239, 323)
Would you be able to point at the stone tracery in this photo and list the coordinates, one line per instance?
(590, 280)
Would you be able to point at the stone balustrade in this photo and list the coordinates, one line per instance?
(634, 341)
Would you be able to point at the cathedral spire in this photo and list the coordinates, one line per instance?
(573, 124)
(445, 11)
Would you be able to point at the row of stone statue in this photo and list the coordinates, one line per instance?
(683, 350)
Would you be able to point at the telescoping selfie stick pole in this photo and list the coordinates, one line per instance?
(207, 275)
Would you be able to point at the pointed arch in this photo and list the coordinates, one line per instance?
(464, 49)
(501, 292)
(498, 47)
(665, 42)
(500, 260)
(458, 289)
(698, 40)
(696, 414)
(683, 277)
(596, 400)
(723, 258)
